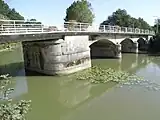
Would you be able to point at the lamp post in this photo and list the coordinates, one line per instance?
(157, 23)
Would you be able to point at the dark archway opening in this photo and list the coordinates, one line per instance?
(142, 45)
(103, 49)
(127, 46)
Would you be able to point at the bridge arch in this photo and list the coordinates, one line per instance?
(127, 45)
(103, 48)
(104, 40)
(125, 40)
(142, 44)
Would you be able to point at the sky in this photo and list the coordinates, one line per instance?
(52, 12)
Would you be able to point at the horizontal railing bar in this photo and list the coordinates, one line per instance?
(21, 28)
(22, 24)
(68, 26)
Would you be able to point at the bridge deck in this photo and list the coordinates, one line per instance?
(39, 36)
(17, 30)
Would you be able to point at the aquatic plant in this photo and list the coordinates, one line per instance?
(10, 110)
(96, 74)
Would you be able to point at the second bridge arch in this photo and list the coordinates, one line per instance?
(129, 46)
(105, 48)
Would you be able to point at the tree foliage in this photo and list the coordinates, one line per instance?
(8, 13)
(121, 18)
(156, 26)
(32, 21)
(80, 11)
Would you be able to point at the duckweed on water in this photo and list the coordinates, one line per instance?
(99, 75)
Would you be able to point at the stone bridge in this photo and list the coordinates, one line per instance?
(59, 53)
(64, 52)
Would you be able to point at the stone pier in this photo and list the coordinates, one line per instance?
(135, 47)
(118, 52)
(61, 56)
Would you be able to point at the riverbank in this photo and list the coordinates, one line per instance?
(9, 46)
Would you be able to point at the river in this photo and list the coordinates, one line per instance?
(61, 98)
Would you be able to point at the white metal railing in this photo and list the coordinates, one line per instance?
(22, 27)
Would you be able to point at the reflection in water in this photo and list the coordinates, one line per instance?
(21, 86)
(67, 99)
(60, 100)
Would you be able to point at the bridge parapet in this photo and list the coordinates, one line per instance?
(20, 26)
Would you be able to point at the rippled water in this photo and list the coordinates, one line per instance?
(60, 98)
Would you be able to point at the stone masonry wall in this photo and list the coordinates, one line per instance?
(58, 56)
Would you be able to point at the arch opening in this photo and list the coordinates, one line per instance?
(103, 48)
(127, 46)
(142, 45)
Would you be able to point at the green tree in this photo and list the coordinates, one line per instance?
(156, 26)
(8, 12)
(121, 18)
(13, 15)
(32, 21)
(80, 11)
(3, 17)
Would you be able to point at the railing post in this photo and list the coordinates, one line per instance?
(2, 29)
(109, 30)
(120, 30)
(14, 26)
(133, 30)
(126, 29)
(41, 28)
(8, 30)
(103, 28)
(80, 27)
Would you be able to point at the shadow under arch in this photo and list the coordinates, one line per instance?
(142, 44)
(127, 45)
(103, 48)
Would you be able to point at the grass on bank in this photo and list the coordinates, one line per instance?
(8, 46)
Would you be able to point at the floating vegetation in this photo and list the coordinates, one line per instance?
(99, 75)
(8, 109)
(149, 85)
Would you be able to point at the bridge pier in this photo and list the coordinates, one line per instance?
(135, 47)
(61, 56)
(118, 52)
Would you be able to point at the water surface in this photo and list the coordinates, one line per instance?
(61, 98)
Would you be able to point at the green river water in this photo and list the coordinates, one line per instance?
(61, 98)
